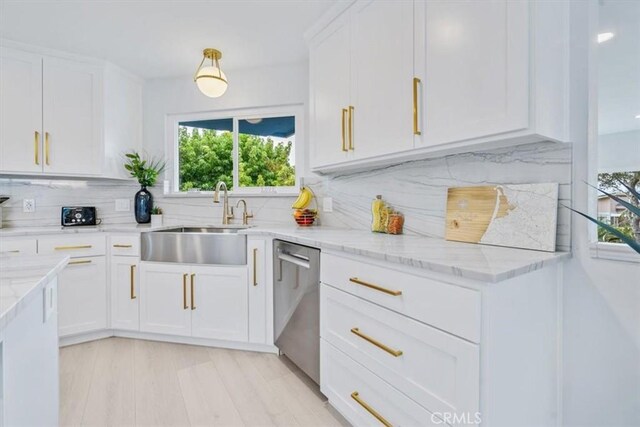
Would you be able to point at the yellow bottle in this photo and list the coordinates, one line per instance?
(377, 211)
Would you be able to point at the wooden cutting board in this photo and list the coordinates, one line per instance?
(520, 216)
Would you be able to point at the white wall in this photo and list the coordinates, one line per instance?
(601, 309)
(618, 152)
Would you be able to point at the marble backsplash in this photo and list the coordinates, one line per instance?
(416, 188)
(419, 188)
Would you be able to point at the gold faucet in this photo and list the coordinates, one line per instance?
(227, 212)
(245, 214)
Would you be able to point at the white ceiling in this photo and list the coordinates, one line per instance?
(165, 38)
(619, 67)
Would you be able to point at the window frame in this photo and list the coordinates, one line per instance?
(171, 149)
(597, 249)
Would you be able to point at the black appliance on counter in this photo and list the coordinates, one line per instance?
(73, 216)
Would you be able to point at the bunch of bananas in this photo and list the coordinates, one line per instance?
(304, 199)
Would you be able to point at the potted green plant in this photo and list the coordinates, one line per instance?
(146, 171)
(156, 216)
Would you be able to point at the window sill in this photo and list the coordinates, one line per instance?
(613, 252)
(232, 194)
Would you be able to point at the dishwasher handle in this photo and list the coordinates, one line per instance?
(298, 260)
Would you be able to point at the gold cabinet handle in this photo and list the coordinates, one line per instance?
(255, 268)
(356, 396)
(394, 353)
(133, 286)
(344, 142)
(193, 293)
(46, 148)
(36, 143)
(122, 246)
(68, 248)
(416, 131)
(351, 127)
(376, 287)
(15, 251)
(84, 261)
(184, 291)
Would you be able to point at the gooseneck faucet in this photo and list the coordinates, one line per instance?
(227, 211)
(245, 214)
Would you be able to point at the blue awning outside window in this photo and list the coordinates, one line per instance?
(282, 127)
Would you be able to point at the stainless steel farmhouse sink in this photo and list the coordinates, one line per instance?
(195, 245)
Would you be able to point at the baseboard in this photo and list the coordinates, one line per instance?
(107, 333)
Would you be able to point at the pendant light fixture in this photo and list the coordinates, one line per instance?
(209, 78)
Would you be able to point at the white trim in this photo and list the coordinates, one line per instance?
(236, 114)
(613, 252)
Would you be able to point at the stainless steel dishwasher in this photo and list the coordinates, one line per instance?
(297, 305)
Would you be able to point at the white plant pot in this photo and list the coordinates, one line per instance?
(156, 220)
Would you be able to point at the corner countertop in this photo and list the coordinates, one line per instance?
(21, 278)
(489, 264)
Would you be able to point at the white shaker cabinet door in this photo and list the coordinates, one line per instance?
(219, 303)
(125, 290)
(72, 117)
(382, 77)
(82, 296)
(164, 299)
(260, 293)
(330, 86)
(20, 111)
(473, 60)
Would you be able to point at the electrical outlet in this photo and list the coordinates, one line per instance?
(327, 204)
(123, 205)
(28, 205)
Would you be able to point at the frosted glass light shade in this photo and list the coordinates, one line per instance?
(211, 81)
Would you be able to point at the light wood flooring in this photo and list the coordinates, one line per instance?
(126, 382)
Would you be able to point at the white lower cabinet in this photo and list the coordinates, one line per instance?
(198, 301)
(164, 305)
(82, 296)
(260, 295)
(125, 286)
(218, 301)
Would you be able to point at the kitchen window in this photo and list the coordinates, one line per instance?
(252, 151)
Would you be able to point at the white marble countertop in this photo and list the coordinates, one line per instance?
(21, 278)
(488, 264)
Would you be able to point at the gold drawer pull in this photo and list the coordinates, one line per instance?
(36, 143)
(356, 396)
(376, 287)
(84, 261)
(255, 268)
(193, 292)
(122, 246)
(66, 248)
(16, 251)
(416, 131)
(133, 287)
(394, 353)
(46, 148)
(184, 291)
(344, 143)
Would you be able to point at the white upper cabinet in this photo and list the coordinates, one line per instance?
(429, 78)
(66, 117)
(473, 60)
(382, 73)
(330, 87)
(20, 111)
(72, 117)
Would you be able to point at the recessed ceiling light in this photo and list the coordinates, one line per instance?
(638, 116)
(603, 37)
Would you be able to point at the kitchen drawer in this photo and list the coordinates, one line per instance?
(125, 244)
(77, 245)
(436, 369)
(448, 307)
(19, 246)
(343, 380)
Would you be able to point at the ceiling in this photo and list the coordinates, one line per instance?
(165, 38)
(619, 67)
